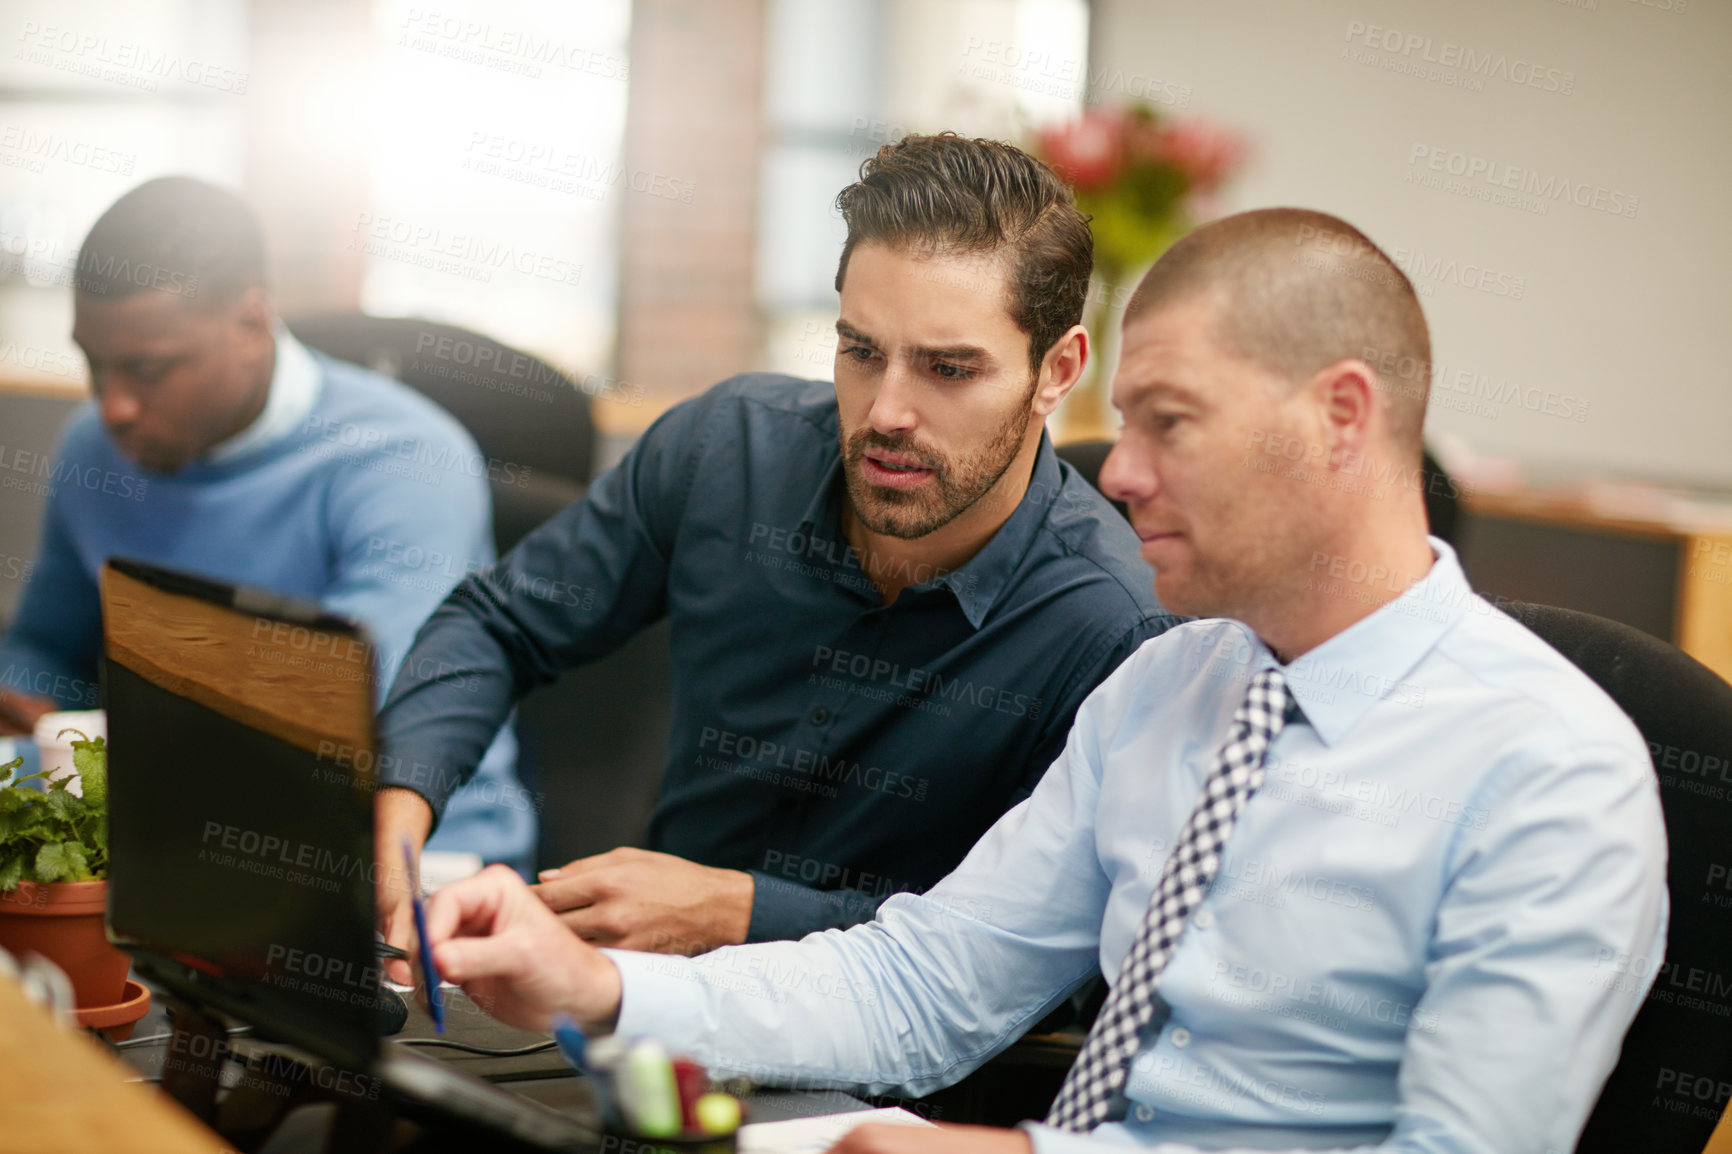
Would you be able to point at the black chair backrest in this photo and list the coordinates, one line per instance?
(1675, 1073)
(524, 414)
(1442, 498)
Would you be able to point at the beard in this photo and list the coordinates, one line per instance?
(955, 486)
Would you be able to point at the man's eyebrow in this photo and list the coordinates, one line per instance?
(1150, 391)
(849, 332)
(967, 354)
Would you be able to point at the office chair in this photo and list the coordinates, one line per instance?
(1442, 499)
(592, 743)
(522, 412)
(1681, 1040)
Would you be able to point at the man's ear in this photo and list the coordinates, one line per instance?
(1347, 406)
(252, 311)
(1061, 369)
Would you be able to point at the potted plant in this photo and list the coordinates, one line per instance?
(53, 887)
(1144, 180)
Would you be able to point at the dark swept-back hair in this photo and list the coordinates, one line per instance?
(946, 193)
(178, 235)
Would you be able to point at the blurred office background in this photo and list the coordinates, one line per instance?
(641, 193)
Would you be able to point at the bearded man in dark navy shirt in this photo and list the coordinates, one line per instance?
(887, 596)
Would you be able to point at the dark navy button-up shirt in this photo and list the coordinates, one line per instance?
(839, 748)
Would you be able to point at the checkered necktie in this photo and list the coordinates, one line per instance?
(1093, 1090)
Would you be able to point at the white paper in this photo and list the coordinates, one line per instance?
(816, 1135)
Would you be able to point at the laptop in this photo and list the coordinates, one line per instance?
(241, 780)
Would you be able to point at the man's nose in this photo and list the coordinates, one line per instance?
(893, 407)
(1127, 475)
(119, 407)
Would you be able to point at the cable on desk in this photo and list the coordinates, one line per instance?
(482, 1050)
(131, 1042)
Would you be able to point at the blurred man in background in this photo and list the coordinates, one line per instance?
(217, 444)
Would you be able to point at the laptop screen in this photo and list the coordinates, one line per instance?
(240, 804)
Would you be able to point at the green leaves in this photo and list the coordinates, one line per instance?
(90, 759)
(51, 834)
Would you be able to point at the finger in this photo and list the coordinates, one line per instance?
(396, 930)
(594, 924)
(465, 960)
(567, 892)
(469, 907)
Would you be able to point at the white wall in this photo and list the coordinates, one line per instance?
(1630, 314)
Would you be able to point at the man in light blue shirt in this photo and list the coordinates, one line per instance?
(1437, 881)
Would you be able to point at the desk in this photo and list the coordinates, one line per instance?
(60, 1091)
(542, 1077)
(1656, 560)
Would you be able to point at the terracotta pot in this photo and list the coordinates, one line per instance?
(62, 921)
(118, 1020)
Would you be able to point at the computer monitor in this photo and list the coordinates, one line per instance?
(241, 756)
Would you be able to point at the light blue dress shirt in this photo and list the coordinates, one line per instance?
(1422, 936)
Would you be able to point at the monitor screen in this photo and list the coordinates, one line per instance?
(240, 805)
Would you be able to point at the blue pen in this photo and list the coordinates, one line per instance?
(572, 1041)
(429, 972)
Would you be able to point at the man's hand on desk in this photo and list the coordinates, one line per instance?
(879, 1138)
(397, 813)
(19, 711)
(509, 952)
(636, 900)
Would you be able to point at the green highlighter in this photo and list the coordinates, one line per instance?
(649, 1098)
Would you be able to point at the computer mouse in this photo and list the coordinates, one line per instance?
(393, 1011)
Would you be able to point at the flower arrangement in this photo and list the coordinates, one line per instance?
(1145, 181)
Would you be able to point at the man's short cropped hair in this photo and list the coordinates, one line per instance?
(1297, 291)
(174, 234)
(948, 194)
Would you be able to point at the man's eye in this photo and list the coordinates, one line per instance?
(952, 372)
(148, 372)
(1167, 422)
(858, 352)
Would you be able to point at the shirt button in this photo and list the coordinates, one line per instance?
(1145, 1112)
(1204, 919)
(1181, 1037)
(820, 715)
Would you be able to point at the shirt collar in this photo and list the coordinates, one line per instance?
(1371, 660)
(980, 582)
(294, 390)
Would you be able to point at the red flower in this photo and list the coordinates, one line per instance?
(1203, 153)
(1089, 152)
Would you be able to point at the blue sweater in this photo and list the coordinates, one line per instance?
(374, 506)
